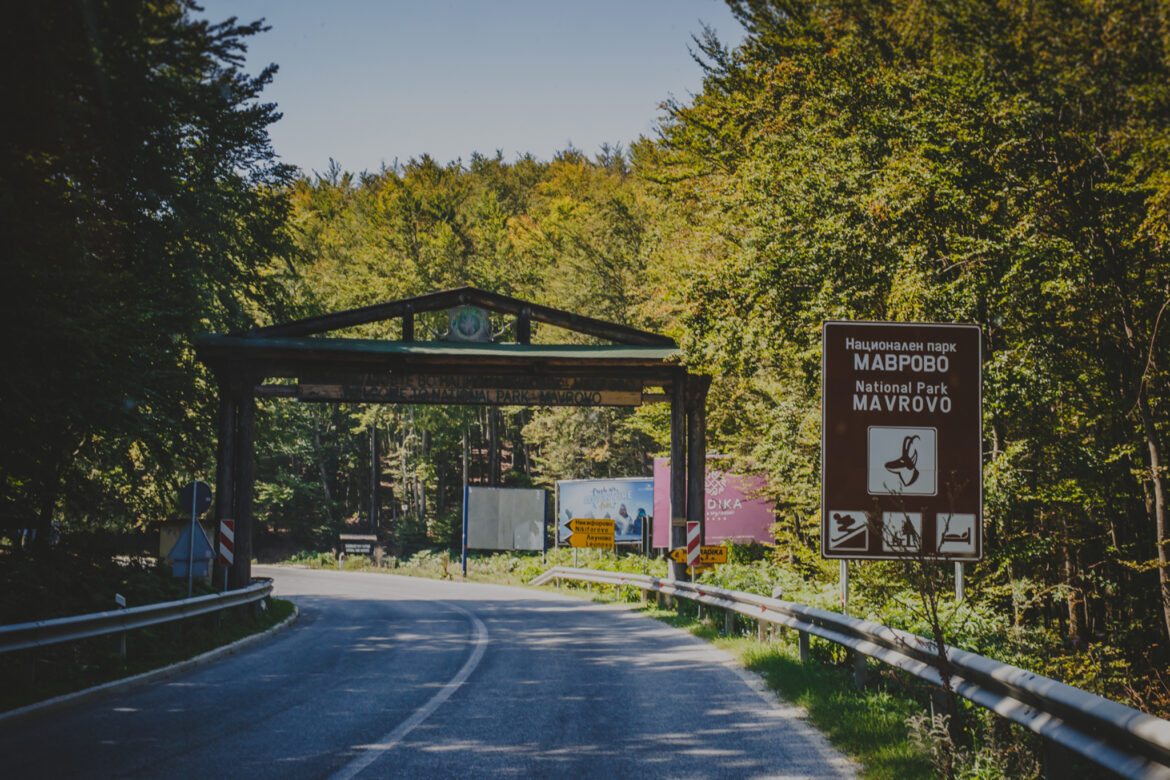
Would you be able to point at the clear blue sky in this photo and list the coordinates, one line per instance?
(369, 82)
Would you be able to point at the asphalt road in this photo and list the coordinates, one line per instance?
(395, 677)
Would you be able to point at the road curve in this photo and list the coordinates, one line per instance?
(396, 677)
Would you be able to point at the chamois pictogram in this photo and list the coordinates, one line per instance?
(906, 466)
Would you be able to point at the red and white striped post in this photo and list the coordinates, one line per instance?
(227, 544)
(694, 543)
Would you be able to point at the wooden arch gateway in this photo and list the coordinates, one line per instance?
(468, 366)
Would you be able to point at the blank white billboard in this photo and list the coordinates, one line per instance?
(505, 518)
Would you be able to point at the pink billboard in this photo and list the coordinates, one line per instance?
(732, 514)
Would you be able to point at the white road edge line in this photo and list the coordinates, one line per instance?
(371, 753)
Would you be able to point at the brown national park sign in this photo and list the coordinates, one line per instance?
(901, 455)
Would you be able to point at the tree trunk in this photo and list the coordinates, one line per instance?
(493, 447)
(406, 492)
(1076, 626)
(323, 472)
(54, 468)
(1152, 443)
(422, 484)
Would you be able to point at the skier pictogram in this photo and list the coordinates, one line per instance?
(848, 531)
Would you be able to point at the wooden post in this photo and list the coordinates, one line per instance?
(697, 452)
(241, 574)
(729, 621)
(678, 473)
(524, 325)
(225, 470)
(802, 644)
(408, 323)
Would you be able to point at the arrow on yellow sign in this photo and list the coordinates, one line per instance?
(708, 555)
(591, 532)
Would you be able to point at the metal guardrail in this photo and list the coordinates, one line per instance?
(21, 636)
(1125, 741)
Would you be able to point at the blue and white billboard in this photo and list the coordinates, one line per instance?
(629, 502)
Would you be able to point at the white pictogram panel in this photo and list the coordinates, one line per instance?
(902, 532)
(848, 531)
(902, 461)
(955, 534)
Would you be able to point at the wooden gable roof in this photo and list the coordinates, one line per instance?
(405, 308)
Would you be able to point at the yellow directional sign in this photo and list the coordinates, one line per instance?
(708, 555)
(590, 532)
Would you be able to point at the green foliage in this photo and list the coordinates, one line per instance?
(72, 580)
(947, 163)
(141, 205)
(567, 233)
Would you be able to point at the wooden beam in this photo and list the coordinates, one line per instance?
(323, 323)
(459, 396)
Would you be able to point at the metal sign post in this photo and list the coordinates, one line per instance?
(191, 542)
(195, 497)
(901, 454)
(844, 587)
(466, 496)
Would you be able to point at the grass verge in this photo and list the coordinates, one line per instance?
(869, 725)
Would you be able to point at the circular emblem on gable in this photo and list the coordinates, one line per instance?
(468, 323)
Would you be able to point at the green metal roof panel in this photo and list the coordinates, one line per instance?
(251, 344)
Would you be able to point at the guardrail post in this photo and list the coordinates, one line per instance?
(802, 643)
(1056, 761)
(28, 663)
(729, 621)
(938, 702)
(120, 602)
(760, 630)
(859, 669)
